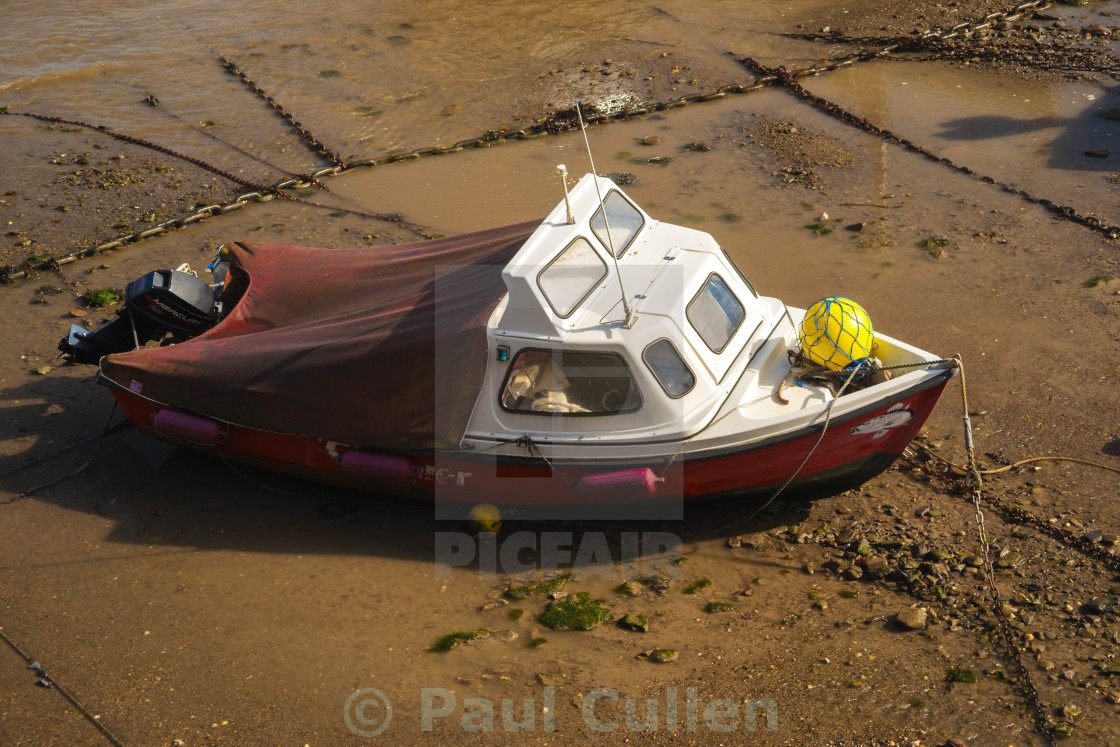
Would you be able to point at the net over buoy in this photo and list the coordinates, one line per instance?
(835, 333)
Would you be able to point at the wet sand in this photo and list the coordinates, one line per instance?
(178, 599)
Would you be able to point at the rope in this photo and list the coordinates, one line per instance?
(779, 491)
(50, 682)
(1021, 462)
(531, 445)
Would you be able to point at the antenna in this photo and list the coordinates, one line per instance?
(602, 206)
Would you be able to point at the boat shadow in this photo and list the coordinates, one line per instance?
(159, 495)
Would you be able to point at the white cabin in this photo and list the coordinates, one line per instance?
(565, 365)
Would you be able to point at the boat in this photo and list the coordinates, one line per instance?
(598, 358)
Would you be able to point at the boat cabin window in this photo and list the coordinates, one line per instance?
(569, 383)
(624, 221)
(715, 313)
(569, 278)
(670, 369)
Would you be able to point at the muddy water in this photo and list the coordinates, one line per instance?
(180, 599)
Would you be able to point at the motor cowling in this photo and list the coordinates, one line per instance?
(160, 304)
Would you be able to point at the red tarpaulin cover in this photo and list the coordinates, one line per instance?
(342, 344)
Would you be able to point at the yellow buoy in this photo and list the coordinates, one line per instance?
(485, 517)
(835, 333)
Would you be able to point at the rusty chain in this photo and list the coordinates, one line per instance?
(1015, 514)
(936, 35)
(316, 144)
(975, 484)
(955, 44)
(558, 122)
(790, 80)
(555, 123)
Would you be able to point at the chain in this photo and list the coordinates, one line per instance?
(552, 124)
(936, 35)
(310, 139)
(790, 81)
(974, 485)
(142, 143)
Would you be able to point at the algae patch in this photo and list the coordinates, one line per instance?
(451, 640)
(711, 607)
(545, 588)
(697, 585)
(101, 298)
(575, 612)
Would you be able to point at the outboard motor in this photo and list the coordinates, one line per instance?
(162, 303)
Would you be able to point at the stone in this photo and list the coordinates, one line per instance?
(698, 147)
(863, 547)
(855, 573)
(875, 567)
(1095, 536)
(1098, 153)
(630, 588)
(651, 140)
(974, 561)
(1101, 605)
(913, 618)
(635, 623)
(1011, 560)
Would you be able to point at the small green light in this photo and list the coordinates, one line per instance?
(503, 353)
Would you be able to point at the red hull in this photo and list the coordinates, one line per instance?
(844, 459)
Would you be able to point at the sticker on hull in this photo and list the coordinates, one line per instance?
(895, 417)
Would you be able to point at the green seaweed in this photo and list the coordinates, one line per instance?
(847, 594)
(960, 674)
(635, 623)
(544, 588)
(451, 640)
(329, 73)
(933, 242)
(697, 585)
(1096, 280)
(536, 642)
(101, 298)
(662, 655)
(515, 614)
(819, 228)
(575, 612)
(711, 607)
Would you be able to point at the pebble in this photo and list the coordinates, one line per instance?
(698, 147)
(854, 573)
(1095, 536)
(43, 370)
(913, 618)
(1104, 604)
(1010, 560)
(631, 588)
(1097, 153)
(651, 140)
(78, 312)
(876, 567)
